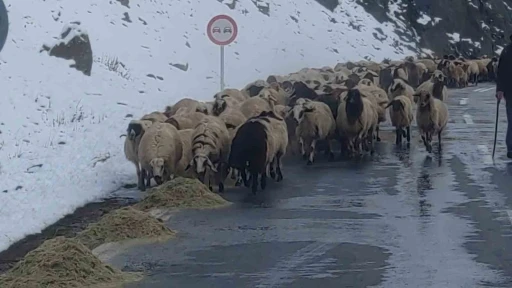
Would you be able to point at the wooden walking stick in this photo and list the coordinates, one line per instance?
(496, 127)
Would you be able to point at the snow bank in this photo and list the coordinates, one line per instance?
(59, 143)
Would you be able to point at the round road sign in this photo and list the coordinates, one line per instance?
(222, 30)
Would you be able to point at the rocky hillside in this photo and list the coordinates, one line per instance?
(466, 27)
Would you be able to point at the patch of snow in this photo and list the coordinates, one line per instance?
(499, 49)
(399, 8)
(436, 20)
(69, 125)
(424, 19)
(506, 5)
(472, 4)
(484, 26)
(455, 37)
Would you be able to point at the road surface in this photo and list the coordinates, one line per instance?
(399, 219)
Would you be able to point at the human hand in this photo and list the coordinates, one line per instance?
(499, 95)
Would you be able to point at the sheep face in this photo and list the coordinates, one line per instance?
(134, 130)
(354, 106)
(397, 85)
(438, 76)
(366, 82)
(219, 105)
(423, 98)
(254, 90)
(396, 105)
(158, 169)
(200, 163)
(202, 108)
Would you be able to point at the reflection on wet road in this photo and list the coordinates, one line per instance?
(399, 219)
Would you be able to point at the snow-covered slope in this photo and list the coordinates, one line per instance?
(60, 144)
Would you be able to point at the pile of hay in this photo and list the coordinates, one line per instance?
(63, 262)
(181, 193)
(122, 224)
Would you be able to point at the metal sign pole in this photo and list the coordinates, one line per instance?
(221, 67)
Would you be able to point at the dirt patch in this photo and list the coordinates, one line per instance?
(181, 193)
(63, 262)
(68, 226)
(123, 224)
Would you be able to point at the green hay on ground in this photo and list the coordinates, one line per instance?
(123, 224)
(181, 193)
(61, 263)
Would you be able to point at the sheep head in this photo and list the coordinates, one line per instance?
(366, 82)
(158, 169)
(200, 163)
(424, 97)
(134, 129)
(202, 108)
(396, 104)
(219, 105)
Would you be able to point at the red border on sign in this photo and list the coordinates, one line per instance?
(209, 30)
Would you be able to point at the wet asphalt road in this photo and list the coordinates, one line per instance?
(399, 219)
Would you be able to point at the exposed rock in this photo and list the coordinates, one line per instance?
(74, 44)
(481, 25)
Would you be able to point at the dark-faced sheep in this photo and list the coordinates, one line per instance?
(134, 133)
(259, 144)
(357, 120)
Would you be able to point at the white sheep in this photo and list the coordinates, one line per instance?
(160, 151)
(192, 105)
(316, 123)
(400, 87)
(186, 142)
(155, 116)
(254, 106)
(357, 120)
(210, 150)
(231, 93)
(380, 100)
(431, 118)
(187, 120)
(401, 115)
(436, 86)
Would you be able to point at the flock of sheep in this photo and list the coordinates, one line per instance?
(249, 130)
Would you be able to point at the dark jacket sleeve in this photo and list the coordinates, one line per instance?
(504, 71)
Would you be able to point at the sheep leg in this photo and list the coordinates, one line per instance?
(398, 138)
(279, 164)
(439, 138)
(142, 175)
(272, 172)
(330, 156)
(263, 180)
(149, 175)
(408, 134)
(378, 129)
(233, 173)
(302, 149)
(243, 174)
(221, 175)
(312, 153)
(254, 177)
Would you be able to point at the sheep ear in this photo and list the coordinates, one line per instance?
(189, 165)
(389, 104)
(211, 165)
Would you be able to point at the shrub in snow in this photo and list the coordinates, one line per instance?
(73, 45)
